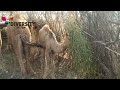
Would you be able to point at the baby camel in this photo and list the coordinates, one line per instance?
(52, 47)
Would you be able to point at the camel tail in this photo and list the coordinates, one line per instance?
(29, 43)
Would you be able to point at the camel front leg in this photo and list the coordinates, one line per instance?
(47, 58)
(53, 66)
(42, 62)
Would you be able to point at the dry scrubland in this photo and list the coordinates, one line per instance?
(94, 48)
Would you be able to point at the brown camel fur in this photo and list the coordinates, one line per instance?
(34, 29)
(52, 47)
(18, 38)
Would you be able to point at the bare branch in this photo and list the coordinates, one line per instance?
(117, 23)
(107, 47)
(117, 39)
(103, 66)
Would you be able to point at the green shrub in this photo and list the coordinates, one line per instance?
(80, 51)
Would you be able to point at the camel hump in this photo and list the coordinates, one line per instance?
(18, 15)
(46, 28)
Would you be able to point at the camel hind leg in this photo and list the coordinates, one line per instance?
(52, 66)
(28, 65)
(18, 52)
